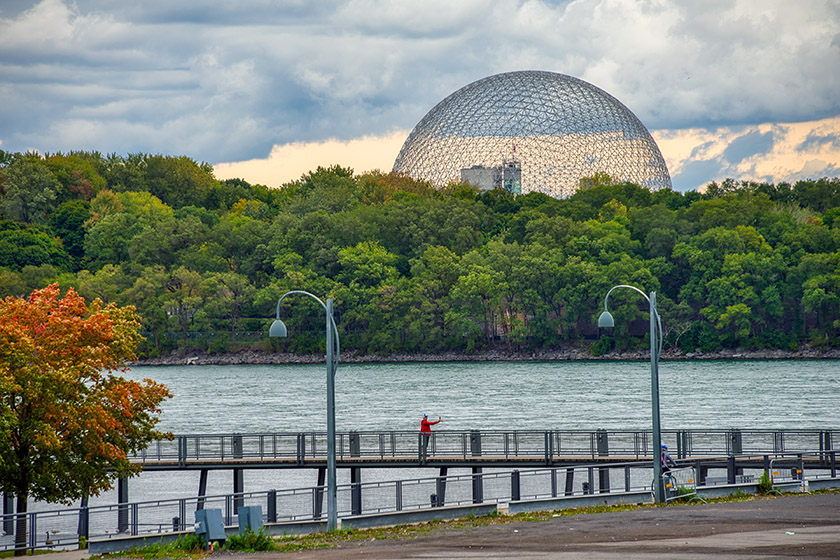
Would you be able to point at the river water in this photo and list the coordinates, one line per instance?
(501, 395)
(780, 394)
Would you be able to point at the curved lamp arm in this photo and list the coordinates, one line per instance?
(606, 318)
(278, 328)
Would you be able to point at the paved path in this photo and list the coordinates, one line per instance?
(787, 527)
(801, 526)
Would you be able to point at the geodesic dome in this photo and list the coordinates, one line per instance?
(531, 131)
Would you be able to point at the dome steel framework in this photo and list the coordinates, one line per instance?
(546, 129)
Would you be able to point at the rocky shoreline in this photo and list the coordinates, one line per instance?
(255, 357)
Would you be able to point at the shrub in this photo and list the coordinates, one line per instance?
(251, 542)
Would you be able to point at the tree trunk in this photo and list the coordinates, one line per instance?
(20, 527)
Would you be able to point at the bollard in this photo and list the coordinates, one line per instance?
(433, 500)
(176, 524)
(585, 487)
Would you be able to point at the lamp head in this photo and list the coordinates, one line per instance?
(278, 329)
(606, 320)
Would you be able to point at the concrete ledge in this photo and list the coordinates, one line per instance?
(823, 483)
(723, 490)
(416, 515)
(295, 528)
(119, 543)
(585, 500)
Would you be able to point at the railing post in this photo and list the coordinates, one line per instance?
(135, 521)
(515, 493)
(271, 506)
(591, 486)
(570, 481)
(778, 442)
(182, 514)
(626, 478)
(549, 448)
(33, 531)
(553, 483)
(398, 498)
(8, 510)
(301, 448)
(182, 451)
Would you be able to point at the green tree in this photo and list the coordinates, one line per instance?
(29, 189)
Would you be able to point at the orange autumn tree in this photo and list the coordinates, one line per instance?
(68, 422)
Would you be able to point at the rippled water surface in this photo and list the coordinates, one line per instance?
(502, 395)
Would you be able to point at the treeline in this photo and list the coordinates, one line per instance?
(417, 269)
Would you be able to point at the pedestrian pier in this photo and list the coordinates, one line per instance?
(525, 469)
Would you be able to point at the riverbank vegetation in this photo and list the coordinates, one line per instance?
(415, 269)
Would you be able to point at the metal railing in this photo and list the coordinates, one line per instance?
(62, 528)
(550, 444)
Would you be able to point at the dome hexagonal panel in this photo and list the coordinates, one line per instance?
(531, 131)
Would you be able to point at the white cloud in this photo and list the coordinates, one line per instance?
(227, 81)
(698, 156)
(288, 162)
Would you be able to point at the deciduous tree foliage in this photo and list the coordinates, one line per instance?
(68, 422)
(418, 269)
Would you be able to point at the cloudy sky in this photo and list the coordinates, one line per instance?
(267, 90)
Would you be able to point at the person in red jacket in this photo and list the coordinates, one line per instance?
(426, 433)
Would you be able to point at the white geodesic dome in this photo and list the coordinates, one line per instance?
(557, 129)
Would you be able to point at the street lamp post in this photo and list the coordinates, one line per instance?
(606, 320)
(278, 329)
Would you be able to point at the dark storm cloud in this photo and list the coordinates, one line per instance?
(698, 172)
(815, 141)
(748, 145)
(224, 81)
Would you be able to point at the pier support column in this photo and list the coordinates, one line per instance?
(440, 488)
(356, 490)
(603, 451)
(238, 475)
(122, 509)
(355, 475)
(202, 489)
(515, 488)
(271, 513)
(83, 529)
(477, 485)
(318, 506)
(238, 489)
